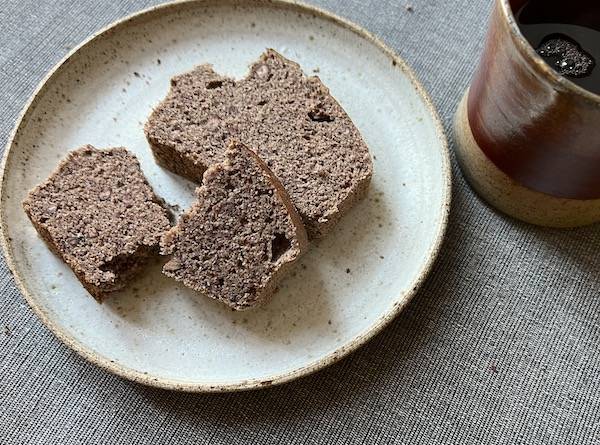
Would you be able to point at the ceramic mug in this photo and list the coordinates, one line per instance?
(528, 139)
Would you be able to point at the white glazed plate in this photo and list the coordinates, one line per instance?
(346, 288)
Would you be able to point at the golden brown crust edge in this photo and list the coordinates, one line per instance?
(279, 273)
(294, 215)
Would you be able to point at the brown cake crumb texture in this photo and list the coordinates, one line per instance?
(100, 215)
(292, 121)
(237, 241)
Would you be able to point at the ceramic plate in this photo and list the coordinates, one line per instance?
(345, 289)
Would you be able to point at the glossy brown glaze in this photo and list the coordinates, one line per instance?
(534, 125)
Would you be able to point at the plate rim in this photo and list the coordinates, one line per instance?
(359, 340)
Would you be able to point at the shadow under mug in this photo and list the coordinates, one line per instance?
(528, 139)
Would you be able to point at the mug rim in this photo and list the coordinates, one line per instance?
(529, 52)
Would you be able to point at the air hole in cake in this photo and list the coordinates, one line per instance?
(124, 266)
(279, 246)
(212, 84)
(114, 265)
(121, 263)
(318, 115)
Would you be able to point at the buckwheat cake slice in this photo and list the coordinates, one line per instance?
(297, 127)
(237, 241)
(100, 215)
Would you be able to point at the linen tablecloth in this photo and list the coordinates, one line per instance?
(501, 345)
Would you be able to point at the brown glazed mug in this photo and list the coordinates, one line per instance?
(528, 139)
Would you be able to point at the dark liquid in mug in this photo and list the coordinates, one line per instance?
(566, 34)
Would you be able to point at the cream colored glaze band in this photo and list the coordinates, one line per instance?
(510, 197)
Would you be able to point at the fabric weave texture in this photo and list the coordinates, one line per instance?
(500, 346)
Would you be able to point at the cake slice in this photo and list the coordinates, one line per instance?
(296, 126)
(100, 215)
(237, 241)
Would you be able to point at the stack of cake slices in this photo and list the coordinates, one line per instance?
(278, 163)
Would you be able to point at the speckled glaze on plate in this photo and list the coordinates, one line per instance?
(346, 289)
